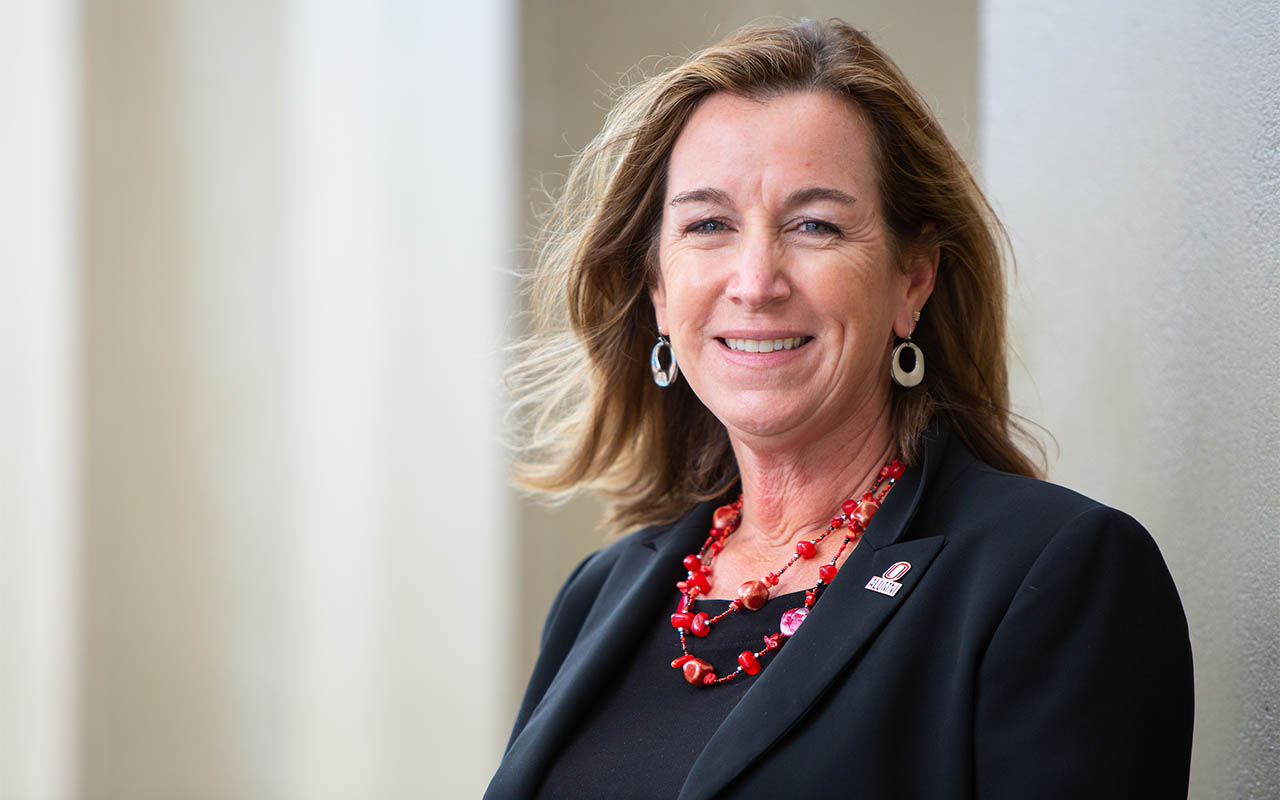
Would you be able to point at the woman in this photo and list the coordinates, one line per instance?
(848, 580)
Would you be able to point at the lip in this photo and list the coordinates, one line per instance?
(743, 333)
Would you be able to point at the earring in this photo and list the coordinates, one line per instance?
(906, 365)
(663, 377)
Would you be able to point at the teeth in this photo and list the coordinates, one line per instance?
(764, 345)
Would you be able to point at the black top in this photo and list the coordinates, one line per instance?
(1034, 647)
(642, 737)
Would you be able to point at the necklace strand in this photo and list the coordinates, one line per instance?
(854, 517)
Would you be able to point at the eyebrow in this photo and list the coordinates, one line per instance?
(797, 198)
(801, 196)
(704, 195)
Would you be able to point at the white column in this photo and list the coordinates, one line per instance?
(1134, 153)
(402, 236)
(298, 225)
(39, 354)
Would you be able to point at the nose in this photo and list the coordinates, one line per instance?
(759, 277)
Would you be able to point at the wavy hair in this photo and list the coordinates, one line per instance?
(585, 409)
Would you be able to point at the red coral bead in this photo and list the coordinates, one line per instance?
(864, 513)
(806, 549)
(679, 662)
(708, 679)
(772, 578)
(837, 522)
(681, 619)
(692, 562)
(749, 663)
(772, 641)
(700, 582)
(700, 625)
(695, 669)
(725, 517)
(895, 470)
(827, 572)
(753, 595)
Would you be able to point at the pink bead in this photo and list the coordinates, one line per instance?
(791, 621)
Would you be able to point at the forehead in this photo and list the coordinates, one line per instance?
(738, 144)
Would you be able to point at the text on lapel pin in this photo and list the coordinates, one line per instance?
(887, 584)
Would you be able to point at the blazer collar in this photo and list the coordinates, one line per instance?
(643, 578)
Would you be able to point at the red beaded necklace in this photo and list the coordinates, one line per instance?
(855, 515)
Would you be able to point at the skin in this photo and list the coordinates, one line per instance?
(772, 228)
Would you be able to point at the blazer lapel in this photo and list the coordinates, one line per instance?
(643, 578)
(842, 624)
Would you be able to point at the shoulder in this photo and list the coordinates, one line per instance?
(1006, 538)
(578, 594)
(980, 507)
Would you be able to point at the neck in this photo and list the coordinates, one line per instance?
(790, 493)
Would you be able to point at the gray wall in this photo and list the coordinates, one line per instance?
(1135, 154)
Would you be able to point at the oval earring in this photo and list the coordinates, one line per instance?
(906, 365)
(664, 377)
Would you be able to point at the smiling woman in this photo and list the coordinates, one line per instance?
(826, 466)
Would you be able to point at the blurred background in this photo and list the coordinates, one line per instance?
(256, 533)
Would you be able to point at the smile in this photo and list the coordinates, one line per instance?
(765, 345)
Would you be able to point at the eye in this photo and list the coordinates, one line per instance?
(818, 226)
(707, 226)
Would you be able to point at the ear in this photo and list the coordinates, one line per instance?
(921, 272)
(658, 294)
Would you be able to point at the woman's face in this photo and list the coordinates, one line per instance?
(777, 285)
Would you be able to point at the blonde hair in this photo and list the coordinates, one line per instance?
(586, 408)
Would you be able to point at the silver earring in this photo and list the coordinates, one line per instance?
(906, 365)
(663, 377)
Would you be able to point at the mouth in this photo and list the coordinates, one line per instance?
(764, 345)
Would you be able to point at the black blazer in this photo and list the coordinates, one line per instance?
(1036, 649)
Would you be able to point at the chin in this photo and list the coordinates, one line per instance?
(761, 422)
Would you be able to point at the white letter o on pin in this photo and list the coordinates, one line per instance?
(897, 570)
